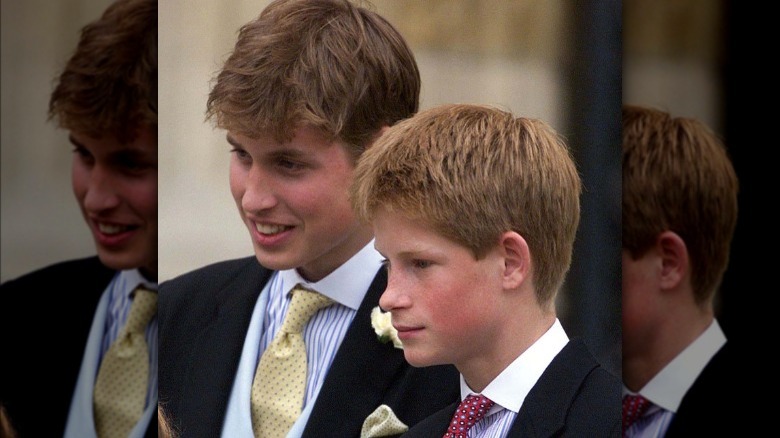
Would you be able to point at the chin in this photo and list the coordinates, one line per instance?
(418, 360)
(115, 263)
(120, 262)
(275, 263)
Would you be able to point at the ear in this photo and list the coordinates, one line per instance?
(674, 259)
(517, 259)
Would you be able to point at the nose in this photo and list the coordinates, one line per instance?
(395, 296)
(259, 191)
(102, 191)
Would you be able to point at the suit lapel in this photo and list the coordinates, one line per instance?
(435, 425)
(704, 399)
(545, 408)
(210, 381)
(361, 372)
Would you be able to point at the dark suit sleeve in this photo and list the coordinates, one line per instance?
(58, 301)
(729, 392)
(203, 317)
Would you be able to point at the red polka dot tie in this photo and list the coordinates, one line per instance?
(634, 406)
(280, 378)
(122, 381)
(470, 411)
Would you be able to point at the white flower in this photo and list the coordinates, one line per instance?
(383, 327)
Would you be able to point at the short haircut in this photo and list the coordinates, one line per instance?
(109, 85)
(677, 176)
(473, 172)
(327, 64)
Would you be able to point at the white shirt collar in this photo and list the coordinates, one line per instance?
(510, 388)
(669, 386)
(348, 284)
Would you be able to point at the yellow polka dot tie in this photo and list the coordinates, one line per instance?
(120, 389)
(280, 379)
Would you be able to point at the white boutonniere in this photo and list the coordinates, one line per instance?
(383, 327)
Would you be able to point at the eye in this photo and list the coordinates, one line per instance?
(133, 166)
(386, 264)
(83, 154)
(241, 154)
(289, 165)
(421, 264)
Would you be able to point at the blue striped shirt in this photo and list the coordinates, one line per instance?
(119, 302)
(325, 331)
(653, 424)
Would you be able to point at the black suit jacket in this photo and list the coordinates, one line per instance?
(204, 316)
(58, 301)
(725, 395)
(574, 397)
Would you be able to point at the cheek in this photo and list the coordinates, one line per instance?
(141, 195)
(319, 201)
(475, 288)
(638, 309)
(331, 194)
(448, 299)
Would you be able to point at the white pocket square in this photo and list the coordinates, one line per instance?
(382, 422)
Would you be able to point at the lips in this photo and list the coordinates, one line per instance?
(405, 331)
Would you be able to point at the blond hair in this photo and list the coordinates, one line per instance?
(327, 64)
(473, 172)
(677, 176)
(109, 85)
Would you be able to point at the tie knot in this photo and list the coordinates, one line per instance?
(634, 406)
(304, 304)
(472, 409)
(142, 310)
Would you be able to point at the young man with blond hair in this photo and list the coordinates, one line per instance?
(106, 98)
(308, 87)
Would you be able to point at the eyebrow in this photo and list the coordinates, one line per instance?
(131, 154)
(284, 152)
(74, 142)
(410, 253)
(233, 141)
(121, 154)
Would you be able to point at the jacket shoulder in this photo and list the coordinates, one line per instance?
(213, 275)
(65, 270)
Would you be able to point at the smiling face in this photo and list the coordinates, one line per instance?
(444, 302)
(293, 198)
(116, 187)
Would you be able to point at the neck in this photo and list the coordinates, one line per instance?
(518, 330)
(681, 326)
(317, 270)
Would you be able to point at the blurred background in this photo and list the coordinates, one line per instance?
(556, 60)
